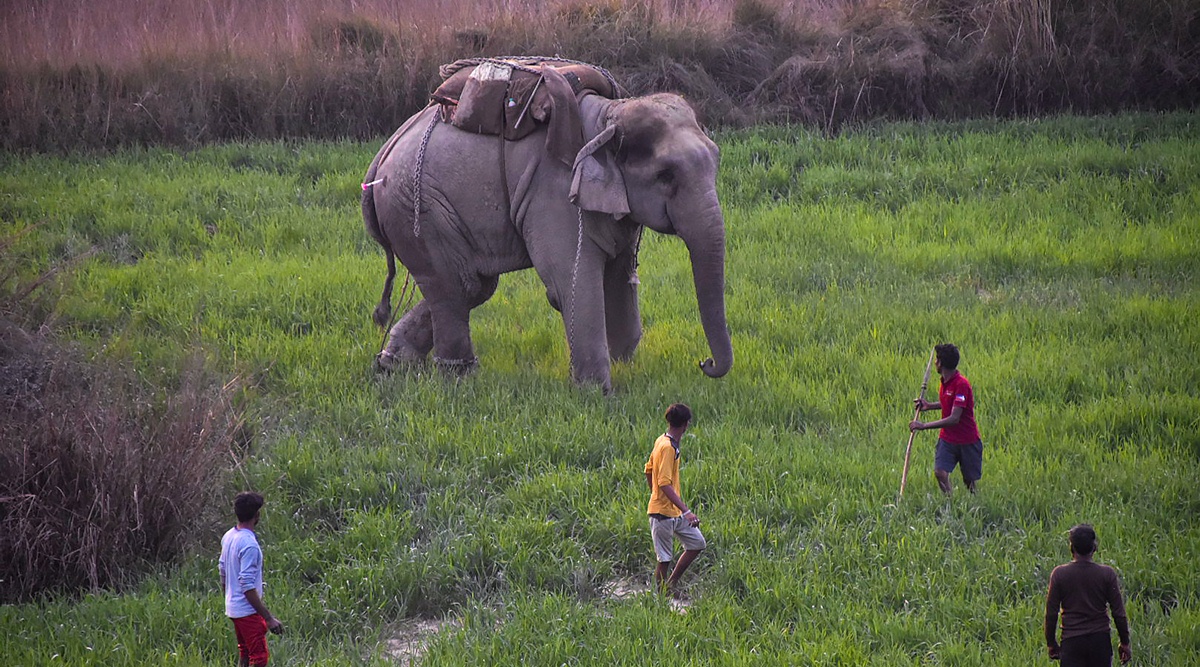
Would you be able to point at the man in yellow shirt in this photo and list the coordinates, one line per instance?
(670, 518)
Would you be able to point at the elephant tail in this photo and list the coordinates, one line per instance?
(383, 311)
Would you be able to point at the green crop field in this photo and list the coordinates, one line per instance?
(508, 508)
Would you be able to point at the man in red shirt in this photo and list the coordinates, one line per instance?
(958, 442)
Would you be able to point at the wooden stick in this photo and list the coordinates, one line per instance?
(913, 434)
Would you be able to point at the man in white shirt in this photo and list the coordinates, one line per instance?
(241, 567)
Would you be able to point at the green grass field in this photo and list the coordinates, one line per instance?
(1061, 255)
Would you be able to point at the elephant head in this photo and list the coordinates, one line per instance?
(651, 161)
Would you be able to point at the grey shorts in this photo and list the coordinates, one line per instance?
(663, 530)
(970, 457)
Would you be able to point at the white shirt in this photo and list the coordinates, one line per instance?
(241, 568)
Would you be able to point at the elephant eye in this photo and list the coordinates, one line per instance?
(665, 176)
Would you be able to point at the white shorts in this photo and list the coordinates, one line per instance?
(663, 530)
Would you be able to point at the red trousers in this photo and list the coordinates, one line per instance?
(251, 634)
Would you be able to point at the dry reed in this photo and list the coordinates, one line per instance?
(89, 75)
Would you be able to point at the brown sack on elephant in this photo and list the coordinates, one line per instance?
(481, 100)
(522, 82)
(553, 103)
(527, 94)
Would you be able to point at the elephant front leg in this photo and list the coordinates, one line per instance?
(584, 320)
(409, 340)
(622, 318)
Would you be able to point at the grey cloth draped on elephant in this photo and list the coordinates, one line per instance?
(490, 206)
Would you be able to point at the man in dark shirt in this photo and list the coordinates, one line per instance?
(1086, 591)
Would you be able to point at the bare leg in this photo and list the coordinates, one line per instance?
(681, 566)
(943, 480)
(660, 575)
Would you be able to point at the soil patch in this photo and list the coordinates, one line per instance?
(625, 588)
(407, 645)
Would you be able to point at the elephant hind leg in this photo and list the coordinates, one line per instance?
(484, 289)
(410, 339)
(454, 352)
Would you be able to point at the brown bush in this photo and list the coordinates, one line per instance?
(101, 474)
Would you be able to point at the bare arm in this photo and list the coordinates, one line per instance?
(256, 602)
(673, 496)
(924, 405)
(954, 418)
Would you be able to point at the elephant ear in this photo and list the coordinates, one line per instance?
(596, 182)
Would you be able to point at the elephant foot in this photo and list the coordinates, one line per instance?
(604, 384)
(457, 367)
(386, 362)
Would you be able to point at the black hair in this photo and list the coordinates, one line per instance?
(947, 353)
(1083, 539)
(247, 504)
(678, 415)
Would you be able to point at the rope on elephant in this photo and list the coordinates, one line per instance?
(519, 63)
(402, 305)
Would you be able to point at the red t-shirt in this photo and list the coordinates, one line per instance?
(956, 393)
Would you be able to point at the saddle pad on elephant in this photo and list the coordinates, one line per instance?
(512, 97)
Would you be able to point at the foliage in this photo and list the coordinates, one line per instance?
(107, 74)
(1060, 254)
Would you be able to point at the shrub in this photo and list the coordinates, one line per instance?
(101, 474)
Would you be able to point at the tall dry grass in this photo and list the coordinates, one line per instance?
(102, 474)
(107, 73)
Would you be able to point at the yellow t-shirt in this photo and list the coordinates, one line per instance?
(663, 468)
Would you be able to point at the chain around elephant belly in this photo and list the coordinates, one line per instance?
(574, 281)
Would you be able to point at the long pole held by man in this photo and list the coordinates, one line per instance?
(913, 434)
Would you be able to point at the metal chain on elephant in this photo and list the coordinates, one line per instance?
(633, 276)
(418, 172)
(574, 279)
(456, 364)
(633, 263)
(406, 295)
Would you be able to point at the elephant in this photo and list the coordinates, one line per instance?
(486, 206)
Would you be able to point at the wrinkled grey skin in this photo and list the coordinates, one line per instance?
(478, 221)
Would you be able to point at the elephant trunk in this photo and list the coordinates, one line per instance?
(704, 235)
